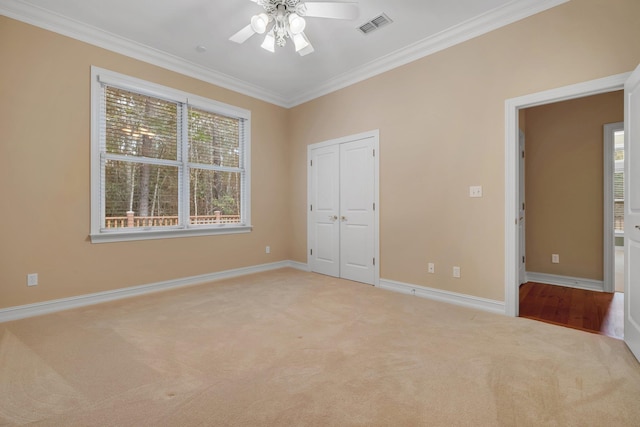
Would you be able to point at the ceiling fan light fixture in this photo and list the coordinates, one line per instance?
(285, 19)
(269, 42)
(297, 23)
(300, 41)
(259, 23)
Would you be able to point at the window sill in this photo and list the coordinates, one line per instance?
(127, 236)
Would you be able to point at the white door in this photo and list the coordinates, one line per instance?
(324, 210)
(632, 212)
(357, 195)
(342, 213)
(521, 217)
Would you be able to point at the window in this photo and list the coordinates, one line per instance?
(165, 163)
(618, 182)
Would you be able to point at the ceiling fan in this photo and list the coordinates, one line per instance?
(284, 19)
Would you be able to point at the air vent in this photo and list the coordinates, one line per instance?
(374, 24)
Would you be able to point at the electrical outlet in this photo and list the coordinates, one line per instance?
(456, 272)
(475, 191)
(555, 258)
(267, 250)
(32, 279)
(431, 268)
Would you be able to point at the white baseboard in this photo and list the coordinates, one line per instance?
(568, 281)
(299, 265)
(37, 309)
(444, 296)
(46, 307)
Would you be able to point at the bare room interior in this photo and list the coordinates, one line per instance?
(288, 212)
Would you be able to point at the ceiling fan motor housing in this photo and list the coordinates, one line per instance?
(290, 6)
(280, 12)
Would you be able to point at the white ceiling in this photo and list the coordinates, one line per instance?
(167, 32)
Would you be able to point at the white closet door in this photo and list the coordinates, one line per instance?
(357, 196)
(324, 212)
(342, 221)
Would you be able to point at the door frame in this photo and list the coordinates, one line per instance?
(512, 185)
(522, 214)
(609, 239)
(375, 135)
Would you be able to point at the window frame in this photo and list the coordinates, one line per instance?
(100, 77)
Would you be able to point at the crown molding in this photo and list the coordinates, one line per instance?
(499, 17)
(512, 12)
(47, 20)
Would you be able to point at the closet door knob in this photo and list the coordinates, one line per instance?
(333, 217)
(344, 218)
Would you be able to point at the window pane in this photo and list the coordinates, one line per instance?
(148, 192)
(214, 197)
(618, 139)
(213, 139)
(140, 125)
(618, 155)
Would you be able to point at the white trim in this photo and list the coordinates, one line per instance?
(609, 235)
(567, 281)
(356, 137)
(375, 134)
(511, 239)
(494, 19)
(487, 22)
(464, 300)
(147, 234)
(46, 307)
(298, 266)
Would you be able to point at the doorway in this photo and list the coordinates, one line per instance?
(512, 166)
(343, 208)
(564, 190)
(564, 169)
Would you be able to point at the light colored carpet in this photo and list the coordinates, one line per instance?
(292, 348)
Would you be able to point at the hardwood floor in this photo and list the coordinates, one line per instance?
(597, 312)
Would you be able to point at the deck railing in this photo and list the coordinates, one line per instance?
(166, 221)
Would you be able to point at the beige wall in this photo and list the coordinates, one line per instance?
(44, 170)
(441, 122)
(564, 175)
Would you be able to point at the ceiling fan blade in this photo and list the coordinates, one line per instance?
(242, 35)
(331, 10)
